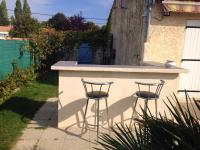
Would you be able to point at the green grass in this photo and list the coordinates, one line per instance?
(18, 110)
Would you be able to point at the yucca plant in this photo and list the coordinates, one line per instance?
(179, 132)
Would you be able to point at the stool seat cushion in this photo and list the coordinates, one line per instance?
(97, 95)
(147, 95)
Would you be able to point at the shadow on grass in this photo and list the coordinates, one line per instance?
(25, 107)
(15, 113)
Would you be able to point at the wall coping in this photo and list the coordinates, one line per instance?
(144, 68)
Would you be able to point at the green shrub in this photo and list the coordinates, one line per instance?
(14, 81)
(180, 133)
(50, 46)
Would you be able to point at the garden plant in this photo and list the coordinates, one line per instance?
(179, 132)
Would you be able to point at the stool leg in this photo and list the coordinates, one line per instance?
(85, 113)
(97, 120)
(133, 111)
(107, 111)
(95, 115)
(145, 105)
(156, 108)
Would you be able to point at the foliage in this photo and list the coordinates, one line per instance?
(26, 10)
(27, 46)
(23, 24)
(180, 133)
(91, 26)
(76, 23)
(44, 24)
(14, 81)
(18, 10)
(18, 110)
(50, 46)
(59, 22)
(4, 21)
(24, 28)
(15, 64)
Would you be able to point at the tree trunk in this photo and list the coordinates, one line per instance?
(127, 26)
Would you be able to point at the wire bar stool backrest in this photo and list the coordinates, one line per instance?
(92, 90)
(158, 87)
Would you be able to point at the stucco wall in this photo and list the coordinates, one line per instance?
(127, 26)
(72, 99)
(167, 36)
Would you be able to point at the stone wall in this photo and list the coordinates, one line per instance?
(167, 36)
(127, 27)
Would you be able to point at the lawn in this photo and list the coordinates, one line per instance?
(18, 110)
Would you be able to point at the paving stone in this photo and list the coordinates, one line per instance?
(42, 134)
(42, 116)
(94, 145)
(50, 105)
(55, 116)
(25, 145)
(52, 123)
(76, 145)
(38, 124)
(93, 134)
(53, 134)
(54, 99)
(46, 144)
(32, 134)
(43, 123)
(76, 133)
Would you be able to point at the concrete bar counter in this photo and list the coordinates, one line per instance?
(72, 98)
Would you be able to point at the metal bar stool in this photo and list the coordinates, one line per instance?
(148, 95)
(97, 95)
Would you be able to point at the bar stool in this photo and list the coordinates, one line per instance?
(148, 95)
(97, 95)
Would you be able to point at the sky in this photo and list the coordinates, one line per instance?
(89, 8)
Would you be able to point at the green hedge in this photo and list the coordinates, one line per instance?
(50, 46)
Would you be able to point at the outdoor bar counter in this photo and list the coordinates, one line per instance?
(72, 100)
